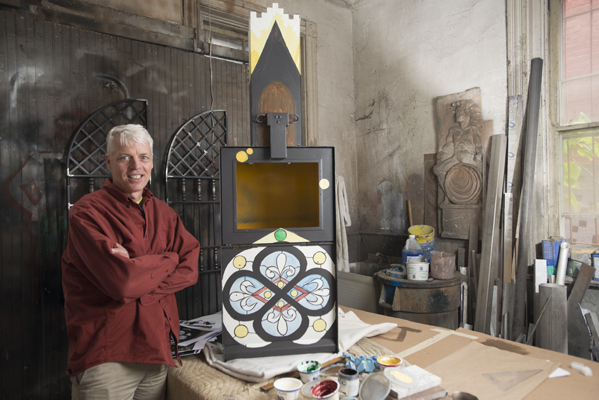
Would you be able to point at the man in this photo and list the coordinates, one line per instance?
(126, 256)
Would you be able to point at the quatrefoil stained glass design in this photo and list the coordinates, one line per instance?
(279, 294)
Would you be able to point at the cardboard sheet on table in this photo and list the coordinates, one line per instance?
(465, 370)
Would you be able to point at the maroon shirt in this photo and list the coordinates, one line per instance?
(119, 309)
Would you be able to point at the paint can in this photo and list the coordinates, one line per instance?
(349, 382)
(425, 236)
(417, 271)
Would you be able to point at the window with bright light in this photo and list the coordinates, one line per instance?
(578, 114)
(580, 62)
(580, 195)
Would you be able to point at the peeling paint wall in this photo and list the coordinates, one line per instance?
(406, 53)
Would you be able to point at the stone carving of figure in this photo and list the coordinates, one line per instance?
(462, 148)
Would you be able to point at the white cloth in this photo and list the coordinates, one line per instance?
(343, 221)
(351, 330)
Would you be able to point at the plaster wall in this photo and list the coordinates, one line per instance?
(336, 125)
(406, 54)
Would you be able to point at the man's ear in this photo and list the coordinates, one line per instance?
(107, 161)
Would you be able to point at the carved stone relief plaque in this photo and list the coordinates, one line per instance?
(462, 138)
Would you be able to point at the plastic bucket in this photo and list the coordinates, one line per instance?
(425, 236)
(417, 271)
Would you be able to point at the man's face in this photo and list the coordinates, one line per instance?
(130, 167)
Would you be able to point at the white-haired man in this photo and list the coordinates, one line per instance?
(127, 254)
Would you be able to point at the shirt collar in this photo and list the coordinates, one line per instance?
(122, 197)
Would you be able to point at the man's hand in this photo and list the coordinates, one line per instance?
(120, 250)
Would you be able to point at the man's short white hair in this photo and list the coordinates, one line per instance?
(128, 134)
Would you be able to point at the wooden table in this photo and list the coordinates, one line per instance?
(425, 345)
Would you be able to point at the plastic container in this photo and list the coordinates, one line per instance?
(425, 236)
(417, 271)
(397, 271)
(412, 251)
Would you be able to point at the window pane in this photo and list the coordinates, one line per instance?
(595, 40)
(577, 95)
(595, 98)
(581, 230)
(573, 7)
(580, 63)
(580, 196)
(577, 46)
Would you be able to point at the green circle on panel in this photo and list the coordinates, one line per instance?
(280, 235)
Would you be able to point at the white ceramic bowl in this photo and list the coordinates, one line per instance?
(288, 388)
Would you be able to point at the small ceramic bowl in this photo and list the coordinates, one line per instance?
(326, 389)
(307, 388)
(288, 388)
(309, 370)
(389, 361)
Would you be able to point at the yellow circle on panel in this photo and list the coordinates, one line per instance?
(267, 295)
(293, 293)
(280, 284)
(241, 331)
(324, 184)
(242, 156)
(250, 151)
(280, 304)
(319, 258)
(319, 325)
(239, 262)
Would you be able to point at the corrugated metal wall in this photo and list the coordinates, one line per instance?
(51, 78)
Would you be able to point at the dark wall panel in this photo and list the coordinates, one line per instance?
(51, 78)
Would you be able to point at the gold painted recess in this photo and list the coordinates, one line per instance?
(273, 195)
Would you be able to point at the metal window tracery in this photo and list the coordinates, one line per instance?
(195, 148)
(85, 155)
(192, 188)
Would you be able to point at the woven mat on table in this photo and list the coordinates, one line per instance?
(196, 380)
